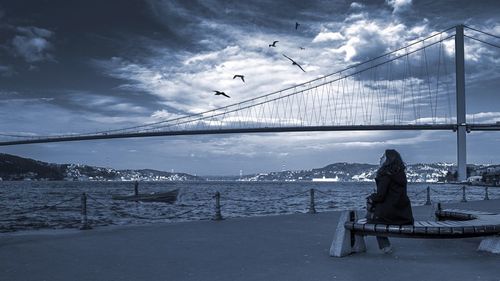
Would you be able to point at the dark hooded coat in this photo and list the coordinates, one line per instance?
(391, 203)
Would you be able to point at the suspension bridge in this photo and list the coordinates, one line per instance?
(420, 86)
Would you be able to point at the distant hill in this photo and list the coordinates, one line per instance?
(19, 168)
(349, 172)
(340, 171)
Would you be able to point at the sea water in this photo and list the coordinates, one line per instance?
(29, 205)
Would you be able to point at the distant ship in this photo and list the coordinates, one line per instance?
(323, 179)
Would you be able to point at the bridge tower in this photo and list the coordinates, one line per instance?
(461, 119)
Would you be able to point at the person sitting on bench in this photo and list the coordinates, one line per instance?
(390, 204)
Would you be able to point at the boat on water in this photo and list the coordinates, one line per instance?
(325, 179)
(165, 197)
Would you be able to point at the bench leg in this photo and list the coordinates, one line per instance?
(490, 244)
(359, 244)
(344, 242)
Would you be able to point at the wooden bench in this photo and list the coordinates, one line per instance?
(450, 223)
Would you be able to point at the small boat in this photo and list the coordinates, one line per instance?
(165, 197)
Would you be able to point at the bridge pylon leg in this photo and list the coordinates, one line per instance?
(461, 119)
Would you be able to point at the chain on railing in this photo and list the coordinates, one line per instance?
(311, 206)
(330, 195)
(462, 192)
(271, 199)
(42, 208)
(123, 213)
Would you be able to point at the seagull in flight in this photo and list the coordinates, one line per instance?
(219, 93)
(302, 48)
(273, 44)
(293, 62)
(296, 25)
(239, 76)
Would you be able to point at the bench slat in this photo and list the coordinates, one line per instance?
(473, 212)
(407, 229)
(394, 229)
(427, 224)
(442, 224)
(381, 228)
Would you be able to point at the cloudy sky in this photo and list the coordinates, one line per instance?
(83, 66)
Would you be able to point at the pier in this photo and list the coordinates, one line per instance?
(287, 247)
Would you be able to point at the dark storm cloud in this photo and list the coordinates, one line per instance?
(6, 71)
(276, 16)
(51, 46)
(33, 43)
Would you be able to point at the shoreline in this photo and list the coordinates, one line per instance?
(280, 247)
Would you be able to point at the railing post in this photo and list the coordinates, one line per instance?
(463, 194)
(428, 202)
(136, 188)
(486, 196)
(438, 211)
(312, 209)
(84, 222)
(218, 215)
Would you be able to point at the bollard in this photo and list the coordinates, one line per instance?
(486, 197)
(218, 215)
(428, 202)
(84, 222)
(312, 209)
(463, 194)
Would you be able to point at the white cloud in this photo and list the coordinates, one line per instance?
(165, 115)
(328, 36)
(356, 5)
(484, 117)
(189, 85)
(399, 5)
(323, 146)
(369, 38)
(185, 81)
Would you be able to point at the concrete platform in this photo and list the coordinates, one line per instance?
(289, 247)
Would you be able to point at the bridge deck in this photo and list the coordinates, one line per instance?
(122, 135)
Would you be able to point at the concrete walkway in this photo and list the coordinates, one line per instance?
(289, 247)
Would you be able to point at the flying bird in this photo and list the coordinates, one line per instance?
(296, 25)
(239, 76)
(273, 44)
(293, 62)
(219, 93)
(302, 48)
